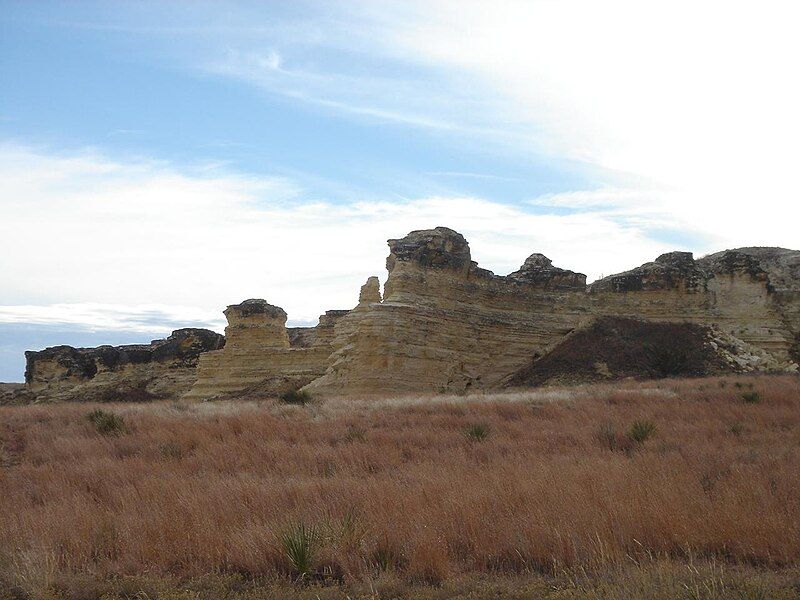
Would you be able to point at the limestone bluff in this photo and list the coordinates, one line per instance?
(445, 324)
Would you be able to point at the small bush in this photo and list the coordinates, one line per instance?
(300, 545)
(641, 431)
(751, 397)
(300, 397)
(355, 433)
(107, 423)
(477, 432)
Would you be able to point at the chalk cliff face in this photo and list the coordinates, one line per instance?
(162, 369)
(748, 293)
(445, 324)
(259, 357)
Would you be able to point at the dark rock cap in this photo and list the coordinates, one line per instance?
(676, 259)
(672, 270)
(181, 348)
(439, 248)
(539, 270)
(256, 306)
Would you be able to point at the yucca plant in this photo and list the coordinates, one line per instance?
(641, 431)
(477, 432)
(300, 545)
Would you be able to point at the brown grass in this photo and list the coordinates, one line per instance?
(398, 488)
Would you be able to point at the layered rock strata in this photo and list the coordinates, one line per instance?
(445, 324)
(259, 357)
(747, 293)
(162, 369)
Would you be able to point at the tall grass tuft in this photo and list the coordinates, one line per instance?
(477, 432)
(299, 543)
(107, 423)
(641, 431)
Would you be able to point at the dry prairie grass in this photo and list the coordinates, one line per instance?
(400, 489)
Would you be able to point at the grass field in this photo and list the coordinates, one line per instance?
(673, 488)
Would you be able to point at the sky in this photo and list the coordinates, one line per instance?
(161, 160)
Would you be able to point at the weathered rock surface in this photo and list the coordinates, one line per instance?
(162, 369)
(259, 358)
(443, 323)
(447, 324)
(15, 393)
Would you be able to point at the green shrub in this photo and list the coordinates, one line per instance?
(641, 431)
(300, 397)
(300, 545)
(107, 423)
(751, 397)
(477, 432)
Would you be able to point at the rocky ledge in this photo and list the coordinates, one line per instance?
(443, 323)
(164, 368)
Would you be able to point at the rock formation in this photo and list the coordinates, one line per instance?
(162, 369)
(445, 324)
(259, 357)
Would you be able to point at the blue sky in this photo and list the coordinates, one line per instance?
(161, 160)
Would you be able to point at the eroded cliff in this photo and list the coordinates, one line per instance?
(162, 369)
(445, 324)
(260, 356)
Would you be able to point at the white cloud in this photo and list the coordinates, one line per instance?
(689, 108)
(88, 240)
(694, 104)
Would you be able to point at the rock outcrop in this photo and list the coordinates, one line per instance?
(259, 358)
(445, 324)
(162, 369)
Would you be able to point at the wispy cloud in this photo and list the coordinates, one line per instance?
(702, 131)
(144, 318)
(469, 175)
(153, 237)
